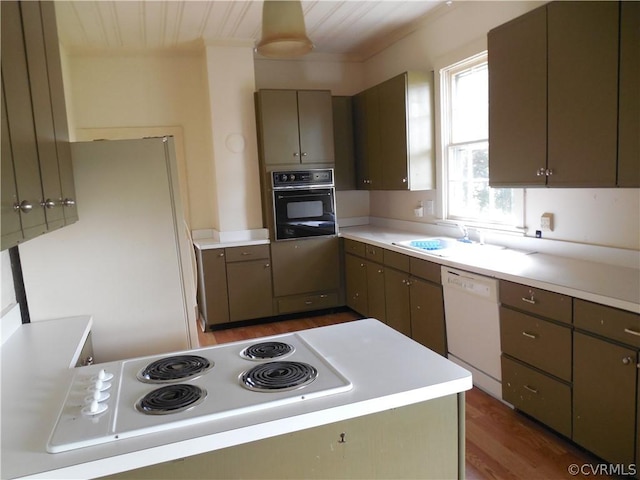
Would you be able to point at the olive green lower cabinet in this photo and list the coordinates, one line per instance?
(234, 284)
(306, 274)
(403, 291)
(416, 441)
(605, 381)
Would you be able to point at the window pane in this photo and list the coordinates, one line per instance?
(470, 104)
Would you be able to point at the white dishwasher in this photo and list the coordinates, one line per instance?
(471, 307)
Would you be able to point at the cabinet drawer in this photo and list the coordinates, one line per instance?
(538, 395)
(609, 322)
(304, 303)
(249, 252)
(425, 269)
(354, 247)
(537, 342)
(374, 253)
(397, 260)
(540, 302)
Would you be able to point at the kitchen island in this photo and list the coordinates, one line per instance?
(403, 417)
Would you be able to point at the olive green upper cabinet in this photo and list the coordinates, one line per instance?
(629, 103)
(582, 93)
(518, 100)
(21, 136)
(367, 140)
(35, 140)
(553, 98)
(295, 127)
(394, 134)
(345, 172)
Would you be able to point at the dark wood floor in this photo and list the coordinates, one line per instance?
(500, 443)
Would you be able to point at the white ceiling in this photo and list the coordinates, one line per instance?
(355, 29)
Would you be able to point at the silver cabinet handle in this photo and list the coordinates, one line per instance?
(531, 389)
(267, 265)
(632, 332)
(627, 360)
(380, 270)
(296, 154)
(68, 202)
(221, 255)
(24, 206)
(304, 154)
(531, 298)
(540, 172)
(530, 335)
(48, 203)
(244, 254)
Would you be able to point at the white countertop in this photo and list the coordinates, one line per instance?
(387, 369)
(611, 285)
(211, 243)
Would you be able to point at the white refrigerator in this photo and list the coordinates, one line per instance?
(128, 261)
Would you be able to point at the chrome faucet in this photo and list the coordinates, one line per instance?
(465, 233)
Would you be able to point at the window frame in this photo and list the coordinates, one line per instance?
(446, 74)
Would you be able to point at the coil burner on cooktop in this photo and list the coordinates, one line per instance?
(267, 350)
(278, 376)
(171, 399)
(174, 369)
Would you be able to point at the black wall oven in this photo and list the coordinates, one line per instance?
(303, 203)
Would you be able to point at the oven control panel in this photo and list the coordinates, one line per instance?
(298, 178)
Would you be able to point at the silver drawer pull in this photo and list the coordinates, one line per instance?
(245, 253)
(531, 389)
(308, 302)
(530, 335)
(531, 300)
(632, 332)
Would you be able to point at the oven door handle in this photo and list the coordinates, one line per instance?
(280, 197)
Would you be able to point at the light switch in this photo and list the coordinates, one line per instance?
(546, 222)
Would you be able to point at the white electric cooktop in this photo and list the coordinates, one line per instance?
(157, 393)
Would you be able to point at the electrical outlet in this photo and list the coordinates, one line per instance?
(546, 222)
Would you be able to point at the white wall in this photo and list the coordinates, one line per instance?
(107, 91)
(6, 285)
(236, 186)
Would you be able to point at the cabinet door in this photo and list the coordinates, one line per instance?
(518, 100)
(629, 101)
(59, 112)
(20, 120)
(278, 126)
(427, 315)
(393, 127)
(367, 140)
(398, 308)
(375, 291)
(305, 266)
(583, 93)
(11, 226)
(315, 120)
(42, 114)
(604, 397)
(249, 285)
(216, 303)
(345, 166)
(355, 270)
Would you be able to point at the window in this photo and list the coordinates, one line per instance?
(467, 196)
